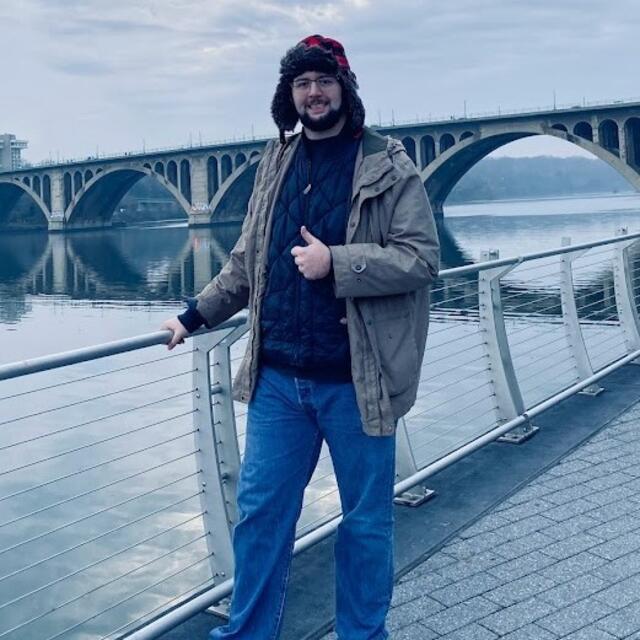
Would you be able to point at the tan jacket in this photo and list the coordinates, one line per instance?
(384, 270)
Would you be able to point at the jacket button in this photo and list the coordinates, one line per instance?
(376, 189)
(358, 268)
(352, 224)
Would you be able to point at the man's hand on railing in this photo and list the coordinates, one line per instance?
(179, 332)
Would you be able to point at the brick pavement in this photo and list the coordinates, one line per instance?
(558, 559)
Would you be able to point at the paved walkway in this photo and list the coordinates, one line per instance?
(558, 559)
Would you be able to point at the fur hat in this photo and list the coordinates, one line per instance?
(315, 53)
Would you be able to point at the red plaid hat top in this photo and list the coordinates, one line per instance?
(330, 45)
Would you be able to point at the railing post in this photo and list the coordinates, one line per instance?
(217, 454)
(502, 374)
(406, 467)
(571, 321)
(624, 292)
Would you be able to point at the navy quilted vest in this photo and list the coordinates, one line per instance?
(300, 318)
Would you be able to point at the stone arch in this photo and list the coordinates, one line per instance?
(632, 139)
(254, 154)
(212, 177)
(147, 165)
(410, 147)
(446, 170)
(559, 127)
(465, 135)
(226, 167)
(36, 186)
(97, 200)
(584, 130)
(67, 189)
(46, 190)
(236, 190)
(26, 180)
(88, 174)
(172, 172)
(446, 142)
(239, 160)
(20, 207)
(428, 150)
(185, 179)
(609, 136)
(159, 168)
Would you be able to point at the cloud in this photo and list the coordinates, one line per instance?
(161, 68)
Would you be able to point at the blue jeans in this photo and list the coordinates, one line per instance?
(288, 419)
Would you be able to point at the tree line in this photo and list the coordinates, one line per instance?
(506, 178)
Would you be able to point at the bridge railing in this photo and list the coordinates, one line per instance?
(119, 462)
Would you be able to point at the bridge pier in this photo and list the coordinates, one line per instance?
(438, 212)
(200, 215)
(57, 223)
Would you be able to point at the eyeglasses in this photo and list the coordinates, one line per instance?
(323, 83)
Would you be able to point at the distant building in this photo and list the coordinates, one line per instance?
(10, 149)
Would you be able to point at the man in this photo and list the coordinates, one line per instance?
(334, 261)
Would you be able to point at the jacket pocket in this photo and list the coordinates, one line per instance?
(398, 353)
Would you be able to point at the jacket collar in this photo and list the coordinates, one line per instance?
(374, 162)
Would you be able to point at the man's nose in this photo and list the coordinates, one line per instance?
(314, 88)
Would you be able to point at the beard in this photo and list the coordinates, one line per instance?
(327, 121)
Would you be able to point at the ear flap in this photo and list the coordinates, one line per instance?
(355, 108)
(283, 110)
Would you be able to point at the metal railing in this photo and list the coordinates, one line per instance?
(119, 463)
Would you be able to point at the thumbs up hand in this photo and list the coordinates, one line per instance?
(314, 260)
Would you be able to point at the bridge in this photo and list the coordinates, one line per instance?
(213, 183)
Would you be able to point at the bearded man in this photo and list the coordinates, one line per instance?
(334, 261)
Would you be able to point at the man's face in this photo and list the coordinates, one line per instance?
(318, 100)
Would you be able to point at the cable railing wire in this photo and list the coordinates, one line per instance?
(73, 474)
(439, 390)
(94, 398)
(60, 606)
(83, 447)
(89, 492)
(130, 597)
(198, 588)
(428, 442)
(56, 432)
(441, 372)
(95, 563)
(125, 525)
(64, 383)
(111, 507)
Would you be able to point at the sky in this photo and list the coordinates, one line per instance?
(80, 77)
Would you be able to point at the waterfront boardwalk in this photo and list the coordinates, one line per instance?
(560, 558)
(536, 541)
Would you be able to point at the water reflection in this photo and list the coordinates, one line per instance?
(154, 264)
(173, 262)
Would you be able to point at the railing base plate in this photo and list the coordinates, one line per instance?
(415, 497)
(518, 436)
(220, 609)
(592, 390)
